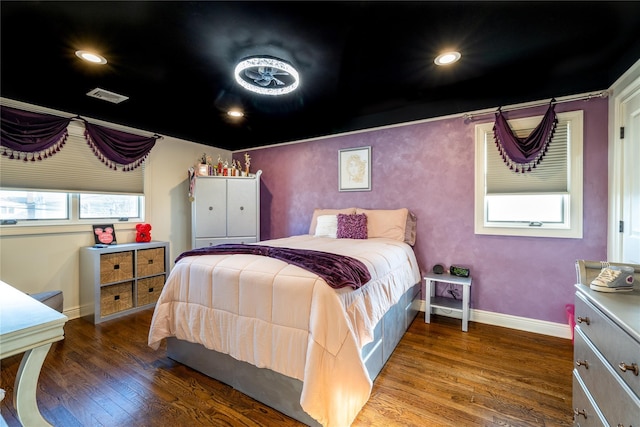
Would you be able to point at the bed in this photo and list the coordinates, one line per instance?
(286, 335)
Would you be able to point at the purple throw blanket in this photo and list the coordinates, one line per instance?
(337, 270)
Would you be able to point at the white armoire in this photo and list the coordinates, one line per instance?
(225, 210)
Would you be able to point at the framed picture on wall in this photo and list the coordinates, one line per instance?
(104, 234)
(354, 169)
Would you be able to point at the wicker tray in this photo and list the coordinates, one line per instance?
(149, 289)
(150, 262)
(586, 271)
(116, 267)
(115, 298)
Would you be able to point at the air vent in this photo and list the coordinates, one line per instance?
(105, 95)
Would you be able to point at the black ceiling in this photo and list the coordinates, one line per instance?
(362, 64)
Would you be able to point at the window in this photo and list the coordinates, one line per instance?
(71, 187)
(18, 207)
(33, 205)
(106, 206)
(546, 202)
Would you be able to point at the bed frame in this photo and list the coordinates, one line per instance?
(279, 391)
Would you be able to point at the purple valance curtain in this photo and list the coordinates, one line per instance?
(523, 154)
(35, 136)
(31, 136)
(114, 147)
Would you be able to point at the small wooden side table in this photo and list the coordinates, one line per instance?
(453, 304)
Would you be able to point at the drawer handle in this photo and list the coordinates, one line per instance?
(583, 412)
(633, 368)
(582, 363)
(581, 319)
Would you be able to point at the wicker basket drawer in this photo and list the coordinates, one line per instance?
(150, 262)
(116, 267)
(115, 298)
(149, 289)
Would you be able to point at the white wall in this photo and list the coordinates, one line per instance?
(43, 260)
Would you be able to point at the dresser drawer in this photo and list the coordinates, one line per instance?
(585, 412)
(615, 344)
(116, 267)
(150, 262)
(116, 298)
(618, 404)
(149, 289)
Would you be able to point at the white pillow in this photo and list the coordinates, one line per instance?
(327, 226)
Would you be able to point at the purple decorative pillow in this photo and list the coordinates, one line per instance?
(352, 226)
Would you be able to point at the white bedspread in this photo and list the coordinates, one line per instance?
(278, 316)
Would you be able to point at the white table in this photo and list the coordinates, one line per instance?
(30, 327)
(452, 304)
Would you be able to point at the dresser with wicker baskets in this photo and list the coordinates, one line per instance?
(121, 279)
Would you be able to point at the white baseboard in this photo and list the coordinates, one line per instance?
(72, 313)
(560, 330)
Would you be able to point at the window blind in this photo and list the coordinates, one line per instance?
(550, 176)
(73, 169)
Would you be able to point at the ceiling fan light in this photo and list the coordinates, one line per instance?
(92, 57)
(447, 58)
(265, 88)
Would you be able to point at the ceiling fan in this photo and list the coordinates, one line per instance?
(265, 75)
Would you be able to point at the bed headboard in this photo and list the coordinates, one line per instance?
(397, 224)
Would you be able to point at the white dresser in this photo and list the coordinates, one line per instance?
(225, 210)
(606, 380)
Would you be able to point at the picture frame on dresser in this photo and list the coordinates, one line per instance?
(104, 234)
(354, 169)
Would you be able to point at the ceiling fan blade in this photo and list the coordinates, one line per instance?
(263, 82)
(278, 82)
(252, 74)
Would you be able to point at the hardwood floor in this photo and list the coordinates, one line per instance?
(106, 375)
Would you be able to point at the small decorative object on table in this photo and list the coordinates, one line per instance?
(219, 165)
(143, 233)
(204, 165)
(247, 163)
(104, 234)
(203, 169)
(459, 271)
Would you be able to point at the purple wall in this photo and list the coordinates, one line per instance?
(429, 168)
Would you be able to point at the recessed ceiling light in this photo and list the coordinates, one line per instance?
(447, 58)
(266, 75)
(235, 113)
(94, 58)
